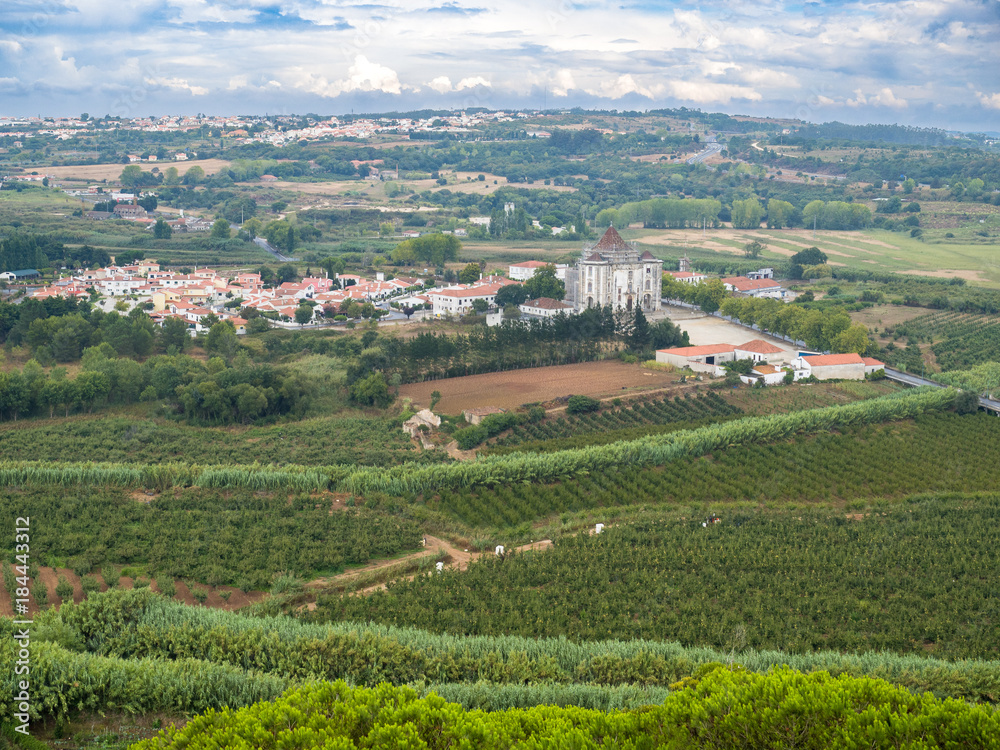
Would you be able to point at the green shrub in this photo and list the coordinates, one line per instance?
(582, 405)
(470, 437)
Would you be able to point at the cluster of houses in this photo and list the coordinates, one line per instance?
(205, 292)
(771, 364)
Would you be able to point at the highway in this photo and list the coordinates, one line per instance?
(990, 404)
(261, 242)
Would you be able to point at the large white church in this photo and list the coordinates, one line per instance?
(612, 272)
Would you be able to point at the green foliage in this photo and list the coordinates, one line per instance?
(652, 450)
(874, 584)
(582, 404)
(544, 283)
(209, 536)
(372, 391)
(726, 709)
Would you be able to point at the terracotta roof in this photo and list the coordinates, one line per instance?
(872, 362)
(595, 257)
(697, 351)
(547, 303)
(829, 360)
(743, 284)
(612, 241)
(760, 347)
(530, 264)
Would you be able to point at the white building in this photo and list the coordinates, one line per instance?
(754, 287)
(613, 272)
(545, 307)
(524, 271)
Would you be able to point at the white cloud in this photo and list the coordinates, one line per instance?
(624, 85)
(177, 84)
(704, 92)
(563, 83)
(363, 75)
(236, 83)
(884, 98)
(472, 82)
(991, 101)
(441, 84)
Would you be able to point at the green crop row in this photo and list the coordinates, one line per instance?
(725, 709)
(648, 451)
(141, 624)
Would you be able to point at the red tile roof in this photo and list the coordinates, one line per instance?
(829, 360)
(872, 362)
(530, 264)
(743, 284)
(760, 347)
(612, 241)
(697, 351)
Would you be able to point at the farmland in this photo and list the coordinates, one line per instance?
(516, 387)
(884, 461)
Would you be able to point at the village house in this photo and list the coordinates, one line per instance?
(746, 287)
(686, 277)
(832, 366)
(545, 307)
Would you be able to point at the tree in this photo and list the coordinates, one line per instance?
(253, 227)
(220, 230)
(171, 177)
(510, 294)
(480, 306)
(779, 213)
(746, 214)
(303, 314)
(469, 274)
(754, 249)
(131, 176)
(639, 336)
(286, 272)
(162, 230)
(222, 339)
(371, 391)
(709, 295)
(811, 256)
(545, 284)
(194, 175)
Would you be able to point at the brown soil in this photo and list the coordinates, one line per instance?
(111, 172)
(512, 389)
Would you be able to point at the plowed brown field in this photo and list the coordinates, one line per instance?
(511, 389)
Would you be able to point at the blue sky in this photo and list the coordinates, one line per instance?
(920, 62)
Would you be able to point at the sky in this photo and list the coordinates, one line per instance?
(917, 62)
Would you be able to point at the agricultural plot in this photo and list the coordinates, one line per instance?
(890, 460)
(239, 538)
(326, 440)
(612, 424)
(513, 388)
(908, 578)
(960, 340)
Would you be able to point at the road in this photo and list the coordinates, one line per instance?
(711, 148)
(264, 244)
(990, 404)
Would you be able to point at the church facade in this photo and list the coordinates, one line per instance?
(613, 272)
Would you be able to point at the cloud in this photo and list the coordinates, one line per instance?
(177, 84)
(624, 85)
(563, 83)
(884, 98)
(990, 101)
(441, 84)
(704, 92)
(472, 82)
(363, 75)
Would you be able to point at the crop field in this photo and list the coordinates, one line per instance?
(873, 249)
(914, 577)
(513, 388)
(960, 340)
(890, 460)
(609, 424)
(127, 439)
(111, 172)
(231, 537)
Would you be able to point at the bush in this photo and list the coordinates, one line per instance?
(469, 437)
(90, 585)
(64, 590)
(582, 405)
(166, 586)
